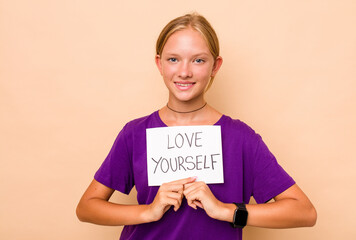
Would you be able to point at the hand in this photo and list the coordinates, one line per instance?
(169, 194)
(198, 194)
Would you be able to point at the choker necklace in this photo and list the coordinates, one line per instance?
(188, 111)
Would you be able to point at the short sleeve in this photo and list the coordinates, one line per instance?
(269, 178)
(116, 170)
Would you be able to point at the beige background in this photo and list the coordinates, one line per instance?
(73, 72)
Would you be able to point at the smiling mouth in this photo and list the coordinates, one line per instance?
(184, 84)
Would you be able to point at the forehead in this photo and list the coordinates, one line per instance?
(186, 40)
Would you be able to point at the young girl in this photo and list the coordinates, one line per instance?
(188, 60)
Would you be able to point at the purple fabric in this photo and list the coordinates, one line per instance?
(250, 169)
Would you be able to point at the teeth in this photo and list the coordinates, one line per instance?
(184, 84)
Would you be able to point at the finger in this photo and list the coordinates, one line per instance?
(172, 202)
(170, 187)
(188, 185)
(173, 188)
(191, 196)
(184, 180)
(166, 208)
(191, 204)
(170, 199)
(191, 187)
(163, 196)
(177, 186)
(174, 195)
(198, 203)
(194, 203)
(195, 194)
(177, 199)
(197, 183)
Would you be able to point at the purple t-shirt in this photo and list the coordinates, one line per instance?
(250, 169)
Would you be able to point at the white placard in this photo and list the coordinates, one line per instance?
(184, 151)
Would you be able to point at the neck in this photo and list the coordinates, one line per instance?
(205, 116)
(188, 111)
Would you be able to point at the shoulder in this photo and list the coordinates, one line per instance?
(238, 132)
(229, 124)
(139, 125)
(148, 121)
(135, 130)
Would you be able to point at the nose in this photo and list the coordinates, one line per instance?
(185, 70)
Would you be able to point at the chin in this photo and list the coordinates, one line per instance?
(186, 99)
(187, 96)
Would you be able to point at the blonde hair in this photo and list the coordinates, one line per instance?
(196, 22)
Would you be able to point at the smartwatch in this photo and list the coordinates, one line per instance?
(240, 216)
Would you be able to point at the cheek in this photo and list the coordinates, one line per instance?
(204, 72)
(168, 72)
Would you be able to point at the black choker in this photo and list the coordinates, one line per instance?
(188, 111)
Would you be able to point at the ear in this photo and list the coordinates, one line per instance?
(158, 63)
(217, 64)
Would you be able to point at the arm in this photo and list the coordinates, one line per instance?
(94, 206)
(291, 208)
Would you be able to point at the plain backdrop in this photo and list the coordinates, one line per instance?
(72, 73)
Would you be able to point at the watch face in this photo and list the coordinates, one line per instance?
(241, 218)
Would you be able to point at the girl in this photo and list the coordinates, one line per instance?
(187, 56)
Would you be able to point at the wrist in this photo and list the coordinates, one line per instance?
(147, 214)
(226, 212)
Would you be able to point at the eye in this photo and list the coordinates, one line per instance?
(199, 60)
(173, 60)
